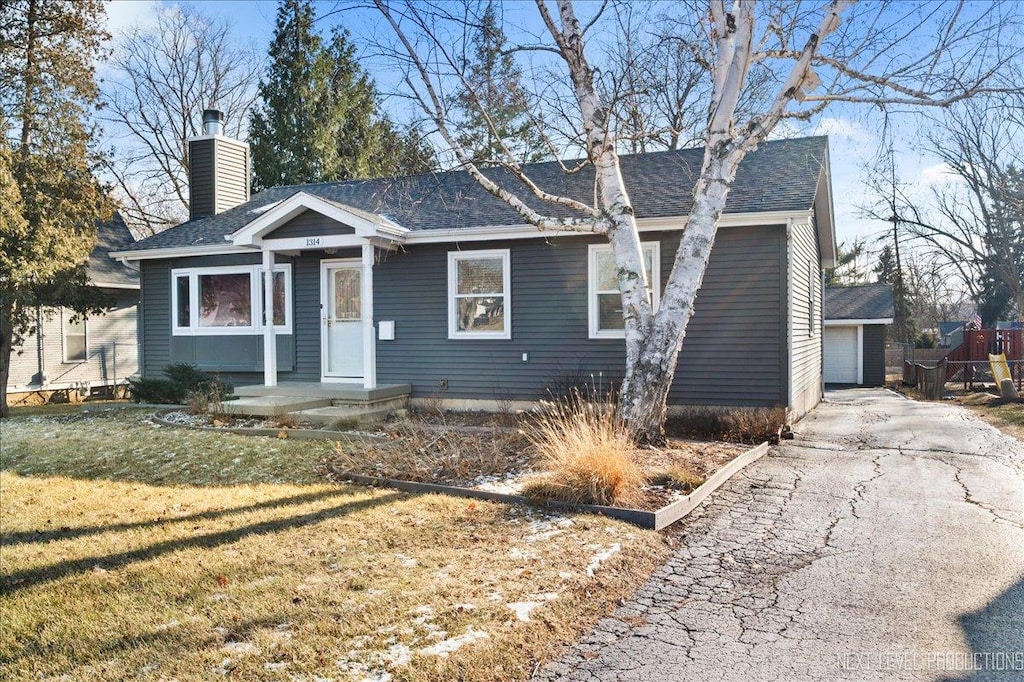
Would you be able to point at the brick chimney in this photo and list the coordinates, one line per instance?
(218, 169)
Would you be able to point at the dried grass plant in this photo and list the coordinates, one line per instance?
(587, 454)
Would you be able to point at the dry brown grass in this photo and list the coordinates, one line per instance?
(413, 452)
(134, 551)
(751, 425)
(677, 478)
(587, 455)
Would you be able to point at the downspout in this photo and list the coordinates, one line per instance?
(40, 347)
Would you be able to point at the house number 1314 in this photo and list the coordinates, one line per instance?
(312, 241)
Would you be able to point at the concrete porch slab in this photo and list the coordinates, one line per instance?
(272, 406)
(362, 415)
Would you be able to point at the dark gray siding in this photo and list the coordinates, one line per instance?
(309, 224)
(229, 355)
(200, 178)
(874, 355)
(730, 355)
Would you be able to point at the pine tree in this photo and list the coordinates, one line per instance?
(51, 199)
(319, 120)
(494, 106)
(904, 328)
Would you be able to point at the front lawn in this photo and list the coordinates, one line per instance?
(135, 551)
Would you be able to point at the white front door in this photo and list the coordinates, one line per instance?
(342, 319)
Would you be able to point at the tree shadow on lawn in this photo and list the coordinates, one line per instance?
(240, 632)
(67, 533)
(20, 580)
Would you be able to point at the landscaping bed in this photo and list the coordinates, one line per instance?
(134, 550)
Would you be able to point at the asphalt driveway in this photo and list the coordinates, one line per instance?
(886, 542)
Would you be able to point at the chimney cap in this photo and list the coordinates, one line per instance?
(213, 122)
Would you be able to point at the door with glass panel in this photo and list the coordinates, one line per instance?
(342, 334)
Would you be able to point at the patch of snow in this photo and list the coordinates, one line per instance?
(241, 648)
(280, 665)
(463, 607)
(406, 561)
(510, 483)
(522, 609)
(264, 208)
(447, 646)
(601, 557)
(164, 627)
(564, 575)
(495, 596)
(516, 553)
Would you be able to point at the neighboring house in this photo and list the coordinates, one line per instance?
(855, 319)
(951, 334)
(430, 282)
(84, 355)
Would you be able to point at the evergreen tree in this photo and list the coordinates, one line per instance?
(904, 328)
(51, 200)
(847, 269)
(319, 118)
(493, 105)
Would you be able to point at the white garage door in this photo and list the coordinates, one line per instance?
(840, 355)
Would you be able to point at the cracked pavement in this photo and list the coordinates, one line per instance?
(885, 542)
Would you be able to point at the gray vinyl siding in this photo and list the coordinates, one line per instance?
(200, 178)
(874, 354)
(805, 318)
(232, 174)
(218, 171)
(111, 349)
(309, 224)
(228, 355)
(730, 356)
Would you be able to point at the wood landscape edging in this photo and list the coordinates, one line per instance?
(655, 520)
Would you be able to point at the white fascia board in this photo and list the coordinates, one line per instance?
(365, 224)
(109, 285)
(180, 252)
(851, 323)
(520, 231)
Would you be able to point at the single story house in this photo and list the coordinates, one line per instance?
(428, 282)
(855, 319)
(64, 354)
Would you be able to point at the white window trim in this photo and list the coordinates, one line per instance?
(65, 317)
(506, 271)
(255, 296)
(593, 309)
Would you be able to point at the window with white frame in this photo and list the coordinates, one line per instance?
(604, 302)
(75, 337)
(228, 300)
(479, 300)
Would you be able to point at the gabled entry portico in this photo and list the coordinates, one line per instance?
(347, 333)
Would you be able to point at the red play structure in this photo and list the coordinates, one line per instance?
(968, 361)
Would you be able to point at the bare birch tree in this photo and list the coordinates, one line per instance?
(813, 54)
(165, 75)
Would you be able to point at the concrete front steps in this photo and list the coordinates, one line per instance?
(320, 403)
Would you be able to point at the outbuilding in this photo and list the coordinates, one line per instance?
(855, 320)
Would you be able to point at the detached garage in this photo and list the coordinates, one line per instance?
(855, 319)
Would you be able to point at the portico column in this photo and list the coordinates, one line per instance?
(369, 340)
(269, 340)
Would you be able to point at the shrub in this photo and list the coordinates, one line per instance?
(735, 425)
(588, 455)
(148, 390)
(183, 383)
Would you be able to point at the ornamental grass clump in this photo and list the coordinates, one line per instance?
(587, 453)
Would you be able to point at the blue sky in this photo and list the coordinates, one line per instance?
(854, 133)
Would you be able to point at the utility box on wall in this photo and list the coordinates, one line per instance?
(386, 330)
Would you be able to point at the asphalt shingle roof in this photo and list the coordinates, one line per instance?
(861, 302)
(779, 176)
(112, 236)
